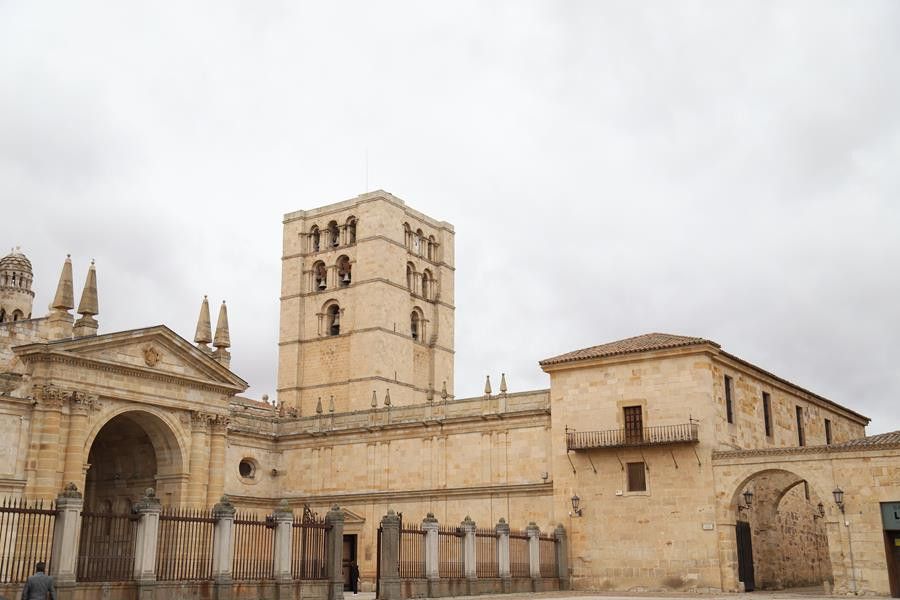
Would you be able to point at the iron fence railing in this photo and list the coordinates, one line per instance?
(450, 553)
(106, 546)
(486, 564)
(308, 548)
(547, 548)
(412, 554)
(254, 541)
(26, 536)
(185, 545)
(646, 436)
(519, 556)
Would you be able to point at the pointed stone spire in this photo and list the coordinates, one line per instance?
(319, 406)
(88, 307)
(503, 386)
(58, 325)
(387, 397)
(444, 391)
(487, 386)
(331, 405)
(203, 335)
(374, 399)
(65, 295)
(222, 340)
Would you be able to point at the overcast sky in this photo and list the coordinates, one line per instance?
(720, 169)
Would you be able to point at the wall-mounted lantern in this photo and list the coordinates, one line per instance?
(748, 501)
(576, 505)
(839, 498)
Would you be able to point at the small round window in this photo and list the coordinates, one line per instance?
(247, 469)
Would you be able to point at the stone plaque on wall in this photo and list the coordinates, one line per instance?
(890, 515)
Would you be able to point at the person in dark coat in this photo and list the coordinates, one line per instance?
(354, 577)
(39, 586)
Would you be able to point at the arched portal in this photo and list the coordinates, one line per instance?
(788, 539)
(133, 451)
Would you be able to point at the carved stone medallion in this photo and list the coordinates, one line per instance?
(151, 356)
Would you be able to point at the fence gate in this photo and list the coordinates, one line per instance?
(106, 546)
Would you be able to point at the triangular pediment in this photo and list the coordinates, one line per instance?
(157, 349)
(351, 517)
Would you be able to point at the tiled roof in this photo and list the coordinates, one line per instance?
(882, 441)
(641, 343)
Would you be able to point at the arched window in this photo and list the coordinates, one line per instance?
(417, 325)
(2, 315)
(344, 267)
(315, 239)
(351, 230)
(410, 277)
(407, 236)
(427, 281)
(320, 276)
(418, 242)
(17, 314)
(431, 248)
(333, 319)
(334, 235)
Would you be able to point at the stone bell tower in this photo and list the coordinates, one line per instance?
(366, 306)
(16, 296)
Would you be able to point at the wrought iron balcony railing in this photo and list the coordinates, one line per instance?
(683, 433)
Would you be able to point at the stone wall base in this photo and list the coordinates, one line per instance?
(183, 590)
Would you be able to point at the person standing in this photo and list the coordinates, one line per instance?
(354, 577)
(39, 586)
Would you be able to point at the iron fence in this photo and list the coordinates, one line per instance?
(26, 536)
(646, 436)
(547, 547)
(519, 557)
(254, 542)
(106, 546)
(308, 549)
(486, 564)
(412, 554)
(184, 546)
(450, 553)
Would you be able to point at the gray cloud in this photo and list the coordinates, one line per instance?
(700, 168)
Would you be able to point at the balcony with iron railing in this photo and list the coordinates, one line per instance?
(682, 433)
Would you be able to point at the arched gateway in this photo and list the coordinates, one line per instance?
(131, 451)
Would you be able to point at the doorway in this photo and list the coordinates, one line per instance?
(745, 556)
(348, 557)
(892, 543)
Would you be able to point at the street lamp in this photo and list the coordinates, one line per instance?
(748, 501)
(839, 498)
(576, 505)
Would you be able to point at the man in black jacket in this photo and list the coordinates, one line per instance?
(39, 586)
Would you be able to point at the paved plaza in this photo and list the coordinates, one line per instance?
(794, 593)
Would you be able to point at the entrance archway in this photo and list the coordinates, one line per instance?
(787, 532)
(131, 452)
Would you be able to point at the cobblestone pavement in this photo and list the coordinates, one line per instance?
(792, 594)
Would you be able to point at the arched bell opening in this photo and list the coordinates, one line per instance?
(781, 534)
(131, 452)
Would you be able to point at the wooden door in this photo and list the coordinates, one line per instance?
(745, 555)
(892, 547)
(634, 425)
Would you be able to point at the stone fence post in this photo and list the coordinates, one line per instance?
(562, 556)
(430, 527)
(534, 552)
(284, 529)
(470, 570)
(223, 541)
(389, 557)
(66, 530)
(502, 530)
(146, 537)
(334, 547)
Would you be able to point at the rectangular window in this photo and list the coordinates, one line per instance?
(729, 409)
(634, 425)
(828, 431)
(801, 438)
(637, 479)
(767, 413)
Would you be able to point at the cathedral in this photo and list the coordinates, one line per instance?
(665, 457)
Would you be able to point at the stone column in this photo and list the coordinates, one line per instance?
(284, 529)
(430, 527)
(468, 528)
(79, 406)
(216, 486)
(199, 461)
(146, 537)
(66, 530)
(334, 548)
(389, 556)
(502, 530)
(562, 556)
(534, 554)
(223, 541)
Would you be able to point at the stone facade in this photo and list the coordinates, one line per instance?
(657, 436)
